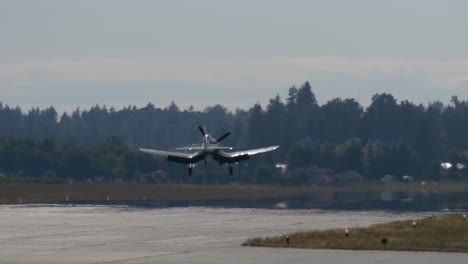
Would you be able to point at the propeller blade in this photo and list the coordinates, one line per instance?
(202, 130)
(223, 137)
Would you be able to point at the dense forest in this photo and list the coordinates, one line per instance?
(338, 141)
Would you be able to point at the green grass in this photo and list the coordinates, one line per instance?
(439, 233)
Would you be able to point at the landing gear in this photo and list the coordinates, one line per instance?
(230, 169)
(190, 169)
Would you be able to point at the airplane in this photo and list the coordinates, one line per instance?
(209, 147)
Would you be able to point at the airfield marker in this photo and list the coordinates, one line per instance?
(384, 242)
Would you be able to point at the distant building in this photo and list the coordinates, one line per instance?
(388, 178)
(407, 179)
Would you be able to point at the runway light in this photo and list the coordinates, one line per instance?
(464, 217)
(414, 224)
(384, 241)
(461, 166)
(346, 232)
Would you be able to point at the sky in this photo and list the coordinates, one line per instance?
(70, 54)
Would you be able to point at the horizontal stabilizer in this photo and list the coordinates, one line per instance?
(190, 148)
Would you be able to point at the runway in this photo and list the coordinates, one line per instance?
(120, 234)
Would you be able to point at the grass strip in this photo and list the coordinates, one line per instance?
(448, 233)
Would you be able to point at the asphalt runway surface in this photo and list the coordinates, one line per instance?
(120, 234)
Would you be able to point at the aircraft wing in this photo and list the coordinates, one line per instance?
(179, 157)
(232, 157)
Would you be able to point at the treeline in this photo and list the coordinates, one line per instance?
(46, 161)
(340, 136)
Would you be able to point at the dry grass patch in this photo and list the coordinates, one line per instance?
(57, 193)
(438, 233)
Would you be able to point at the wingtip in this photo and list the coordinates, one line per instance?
(143, 149)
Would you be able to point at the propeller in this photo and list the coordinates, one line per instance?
(222, 137)
(202, 130)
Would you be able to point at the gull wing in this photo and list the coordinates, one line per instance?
(179, 157)
(233, 157)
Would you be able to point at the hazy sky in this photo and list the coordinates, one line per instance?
(236, 53)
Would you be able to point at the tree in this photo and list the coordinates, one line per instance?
(276, 118)
(340, 120)
(256, 126)
(292, 98)
(305, 98)
(11, 121)
(303, 114)
(396, 158)
(455, 122)
(307, 153)
(381, 120)
(349, 156)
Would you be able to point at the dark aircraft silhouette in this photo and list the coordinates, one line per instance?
(209, 147)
